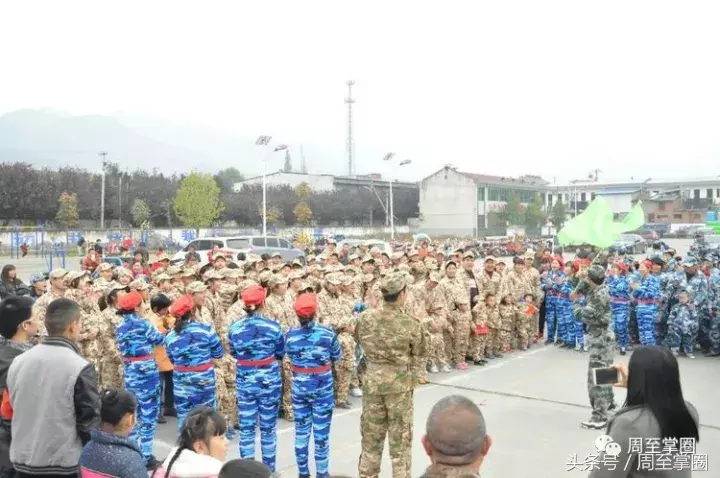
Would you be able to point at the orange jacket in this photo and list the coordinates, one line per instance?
(163, 362)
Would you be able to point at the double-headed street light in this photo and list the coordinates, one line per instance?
(264, 141)
(389, 157)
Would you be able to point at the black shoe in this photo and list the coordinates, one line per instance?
(170, 412)
(712, 354)
(489, 357)
(479, 362)
(152, 463)
(498, 355)
(304, 476)
(548, 342)
(162, 419)
(236, 426)
(468, 359)
(623, 351)
(484, 361)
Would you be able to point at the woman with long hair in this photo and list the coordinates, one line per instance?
(136, 338)
(257, 344)
(10, 285)
(654, 410)
(201, 448)
(191, 347)
(312, 349)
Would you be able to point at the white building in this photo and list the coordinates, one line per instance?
(459, 203)
(317, 182)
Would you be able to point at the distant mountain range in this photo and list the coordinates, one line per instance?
(50, 138)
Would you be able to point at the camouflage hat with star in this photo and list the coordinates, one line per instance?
(394, 283)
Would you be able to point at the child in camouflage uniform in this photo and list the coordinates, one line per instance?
(491, 315)
(682, 327)
(508, 313)
(480, 337)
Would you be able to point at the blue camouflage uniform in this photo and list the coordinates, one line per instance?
(714, 309)
(311, 350)
(697, 287)
(191, 351)
(619, 291)
(136, 339)
(682, 328)
(553, 319)
(671, 283)
(647, 296)
(564, 306)
(257, 344)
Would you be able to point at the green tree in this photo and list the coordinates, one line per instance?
(226, 178)
(197, 202)
(303, 191)
(140, 212)
(67, 215)
(272, 214)
(557, 216)
(515, 213)
(303, 213)
(534, 216)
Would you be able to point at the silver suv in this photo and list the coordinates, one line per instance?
(231, 246)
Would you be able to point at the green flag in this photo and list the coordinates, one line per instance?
(593, 226)
(634, 219)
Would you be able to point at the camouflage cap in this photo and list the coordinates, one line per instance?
(58, 273)
(393, 283)
(296, 275)
(189, 272)
(352, 257)
(396, 256)
(114, 286)
(245, 284)
(139, 284)
(161, 277)
(264, 277)
(470, 254)
(413, 252)
(334, 279)
(210, 274)
(403, 268)
(173, 270)
(418, 268)
(71, 276)
(368, 259)
(375, 250)
(305, 285)
(347, 280)
(311, 257)
(196, 287)
(276, 267)
(434, 277)
(462, 298)
(105, 266)
(298, 262)
(230, 273)
(277, 279)
(121, 271)
(161, 257)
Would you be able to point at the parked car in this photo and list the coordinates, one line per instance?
(231, 246)
(380, 244)
(633, 243)
(649, 235)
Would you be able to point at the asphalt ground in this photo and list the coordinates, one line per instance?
(533, 403)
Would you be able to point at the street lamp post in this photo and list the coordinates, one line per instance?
(102, 191)
(388, 157)
(263, 141)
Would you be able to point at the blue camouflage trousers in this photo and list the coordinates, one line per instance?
(646, 315)
(143, 380)
(552, 318)
(258, 391)
(620, 314)
(683, 335)
(566, 321)
(313, 401)
(714, 332)
(193, 389)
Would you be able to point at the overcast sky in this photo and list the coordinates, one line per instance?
(554, 88)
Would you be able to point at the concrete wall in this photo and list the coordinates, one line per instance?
(317, 182)
(448, 204)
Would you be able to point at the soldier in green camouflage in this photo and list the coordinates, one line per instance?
(601, 341)
(394, 346)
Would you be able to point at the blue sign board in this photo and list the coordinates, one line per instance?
(187, 234)
(711, 216)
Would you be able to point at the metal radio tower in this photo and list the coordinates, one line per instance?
(350, 144)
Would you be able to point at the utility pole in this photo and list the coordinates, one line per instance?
(350, 144)
(303, 165)
(120, 201)
(102, 191)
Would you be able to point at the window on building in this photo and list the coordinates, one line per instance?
(677, 216)
(549, 199)
(709, 193)
(661, 205)
(717, 193)
(503, 194)
(583, 197)
(592, 196)
(696, 194)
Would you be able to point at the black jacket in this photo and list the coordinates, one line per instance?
(9, 289)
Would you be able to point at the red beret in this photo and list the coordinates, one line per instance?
(306, 305)
(648, 264)
(130, 301)
(182, 305)
(253, 295)
(621, 265)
